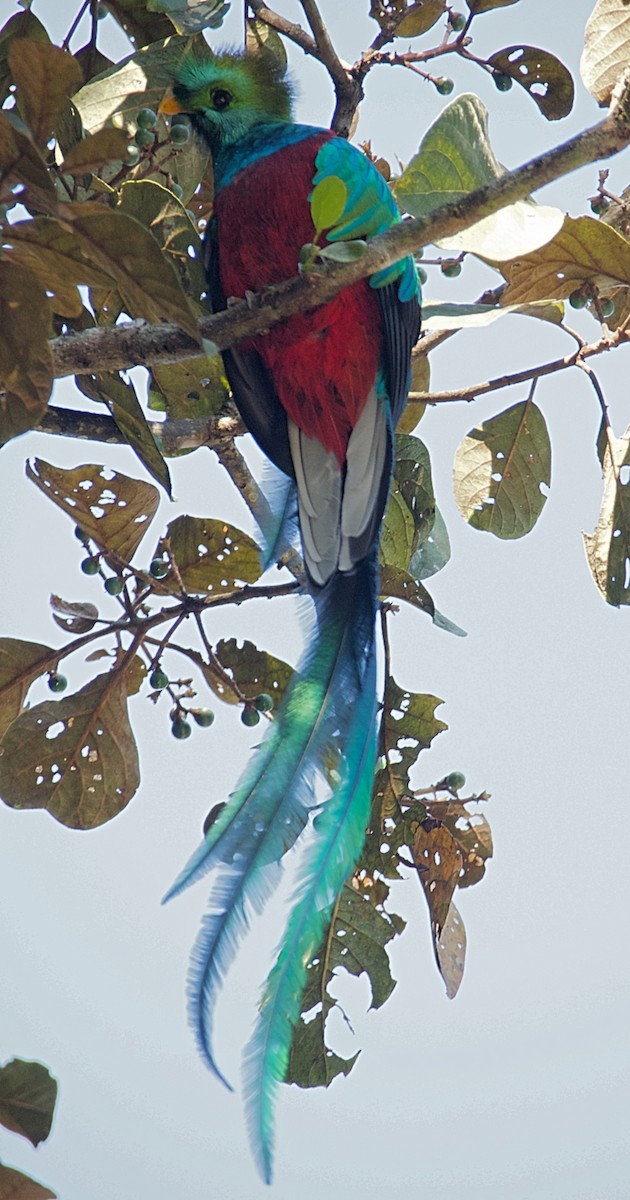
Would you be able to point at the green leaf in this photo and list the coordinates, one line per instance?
(253, 670)
(397, 533)
(355, 940)
(420, 17)
(547, 80)
(210, 555)
(155, 207)
(585, 250)
(45, 77)
(445, 315)
(608, 547)
(260, 38)
(328, 200)
(400, 585)
(191, 16)
(482, 6)
(434, 552)
(500, 468)
(20, 663)
(344, 251)
(606, 48)
(16, 1186)
(195, 388)
(519, 228)
(123, 403)
(75, 757)
(114, 510)
(28, 1094)
(140, 25)
(25, 359)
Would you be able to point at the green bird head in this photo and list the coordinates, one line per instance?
(228, 94)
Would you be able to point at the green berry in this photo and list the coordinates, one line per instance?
(502, 82)
(599, 205)
(607, 307)
(101, 12)
(90, 566)
(144, 137)
(146, 118)
(158, 568)
(57, 683)
(180, 134)
(457, 21)
(249, 715)
(422, 275)
(577, 299)
(80, 535)
(133, 156)
(263, 702)
(114, 585)
(451, 269)
(181, 729)
(177, 190)
(455, 781)
(203, 717)
(158, 679)
(444, 86)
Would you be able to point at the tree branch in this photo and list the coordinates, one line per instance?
(138, 343)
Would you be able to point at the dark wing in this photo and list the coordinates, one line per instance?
(401, 329)
(252, 386)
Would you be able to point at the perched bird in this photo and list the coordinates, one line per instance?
(321, 393)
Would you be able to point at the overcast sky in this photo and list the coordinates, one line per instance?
(518, 1088)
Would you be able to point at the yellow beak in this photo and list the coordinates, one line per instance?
(170, 105)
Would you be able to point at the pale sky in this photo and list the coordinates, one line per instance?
(519, 1087)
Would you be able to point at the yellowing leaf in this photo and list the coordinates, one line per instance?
(328, 200)
(45, 77)
(585, 250)
(53, 254)
(21, 163)
(481, 6)
(114, 510)
(500, 468)
(420, 17)
(95, 150)
(16, 1186)
(75, 757)
(252, 670)
(606, 48)
(25, 358)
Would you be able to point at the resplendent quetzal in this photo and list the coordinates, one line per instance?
(321, 393)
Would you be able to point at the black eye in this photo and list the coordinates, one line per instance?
(221, 99)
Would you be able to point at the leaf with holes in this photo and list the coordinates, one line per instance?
(438, 860)
(75, 757)
(400, 585)
(606, 48)
(547, 80)
(253, 671)
(45, 77)
(355, 940)
(20, 664)
(114, 510)
(608, 547)
(123, 403)
(210, 556)
(584, 251)
(500, 470)
(16, 1186)
(408, 726)
(28, 1094)
(25, 358)
(450, 951)
(73, 617)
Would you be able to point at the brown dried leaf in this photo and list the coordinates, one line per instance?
(75, 757)
(547, 80)
(450, 951)
(121, 246)
(25, 358)
(112, 509)
(95, 151)
(585, 250)
(21, 163)
(54, 255)
(73, 617)
(45, 77)
(28, 1094)
(128, 414)
(606, 48)
(20, 25)
(16, 1186)
(20, 663)
(438, 859)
